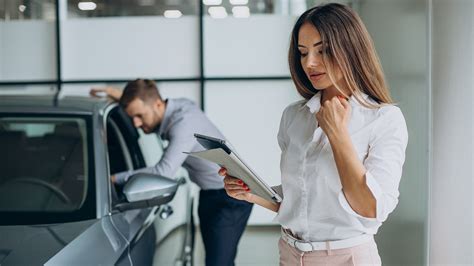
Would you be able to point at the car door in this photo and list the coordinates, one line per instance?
(176, 215)
(135, 225)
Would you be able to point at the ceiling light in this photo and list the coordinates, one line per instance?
(173, 14)
(239, 2)
(217, 12)
(241, 11)
(87, 6)
(212, 2)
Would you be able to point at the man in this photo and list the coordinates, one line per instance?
(222, 218)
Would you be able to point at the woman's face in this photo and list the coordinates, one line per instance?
(310, 47)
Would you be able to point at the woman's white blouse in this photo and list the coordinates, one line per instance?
(314, 207)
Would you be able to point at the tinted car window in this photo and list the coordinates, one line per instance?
(117, 160)
(43, 164)
(130, 137)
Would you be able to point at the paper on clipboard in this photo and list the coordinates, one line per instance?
(235, 167)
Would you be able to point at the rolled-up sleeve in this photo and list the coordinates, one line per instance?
(384, 163)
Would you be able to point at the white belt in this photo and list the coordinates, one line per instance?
(306, 246)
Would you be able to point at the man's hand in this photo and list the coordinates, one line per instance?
(112, 179)
(111, 92)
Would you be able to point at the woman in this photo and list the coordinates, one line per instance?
(343, 146)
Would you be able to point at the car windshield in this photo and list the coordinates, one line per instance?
(43, 164)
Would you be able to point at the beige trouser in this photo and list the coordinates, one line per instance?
(364, 254)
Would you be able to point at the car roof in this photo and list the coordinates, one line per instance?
(46, 104)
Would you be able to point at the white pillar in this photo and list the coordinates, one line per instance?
(451, 203)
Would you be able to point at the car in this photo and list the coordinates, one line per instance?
(57, 203)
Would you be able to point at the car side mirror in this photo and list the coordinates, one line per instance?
(144, 190)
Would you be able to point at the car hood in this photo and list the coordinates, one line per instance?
(36, 244)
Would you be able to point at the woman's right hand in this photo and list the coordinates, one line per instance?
(235, 187)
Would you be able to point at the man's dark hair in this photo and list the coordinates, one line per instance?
(143, 89)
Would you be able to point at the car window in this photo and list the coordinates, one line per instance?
(122, 150)
(123, 124)
(43, 164)
(119, 156)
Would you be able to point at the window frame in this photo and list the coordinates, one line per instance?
(129, 135)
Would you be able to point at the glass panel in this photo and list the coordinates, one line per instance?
(27, 40)
(248, 121)
(190, 90)
(27, 9)
(237, 48)
(126, 47)
(127, 8)
(44, 158)
(399, 30)
(247, 8)
(250, 40)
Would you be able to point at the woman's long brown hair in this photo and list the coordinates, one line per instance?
(347, 45)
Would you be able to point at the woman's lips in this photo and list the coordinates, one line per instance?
(316, 77)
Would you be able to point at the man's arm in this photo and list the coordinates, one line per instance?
(111, 92)
(181, 139)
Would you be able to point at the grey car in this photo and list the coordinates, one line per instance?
(57, 204)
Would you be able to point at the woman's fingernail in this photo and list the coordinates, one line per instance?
(240, 182)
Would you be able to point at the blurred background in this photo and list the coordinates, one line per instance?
(230, 56)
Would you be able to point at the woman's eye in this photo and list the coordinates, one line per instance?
(327, 51)
(303, 55)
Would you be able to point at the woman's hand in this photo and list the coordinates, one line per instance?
(333, 116)
(235, 187)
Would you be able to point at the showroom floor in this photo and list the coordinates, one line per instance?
(258, 247)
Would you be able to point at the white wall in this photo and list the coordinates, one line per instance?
(190, 90)
(130, 47)
(248, 113)
(257, 46)
(27, 50)
(451, 210)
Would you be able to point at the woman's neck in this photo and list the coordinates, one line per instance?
(329, 93)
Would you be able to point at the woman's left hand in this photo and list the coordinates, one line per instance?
(334, 115)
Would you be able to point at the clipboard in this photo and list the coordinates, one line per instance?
(221, 153)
